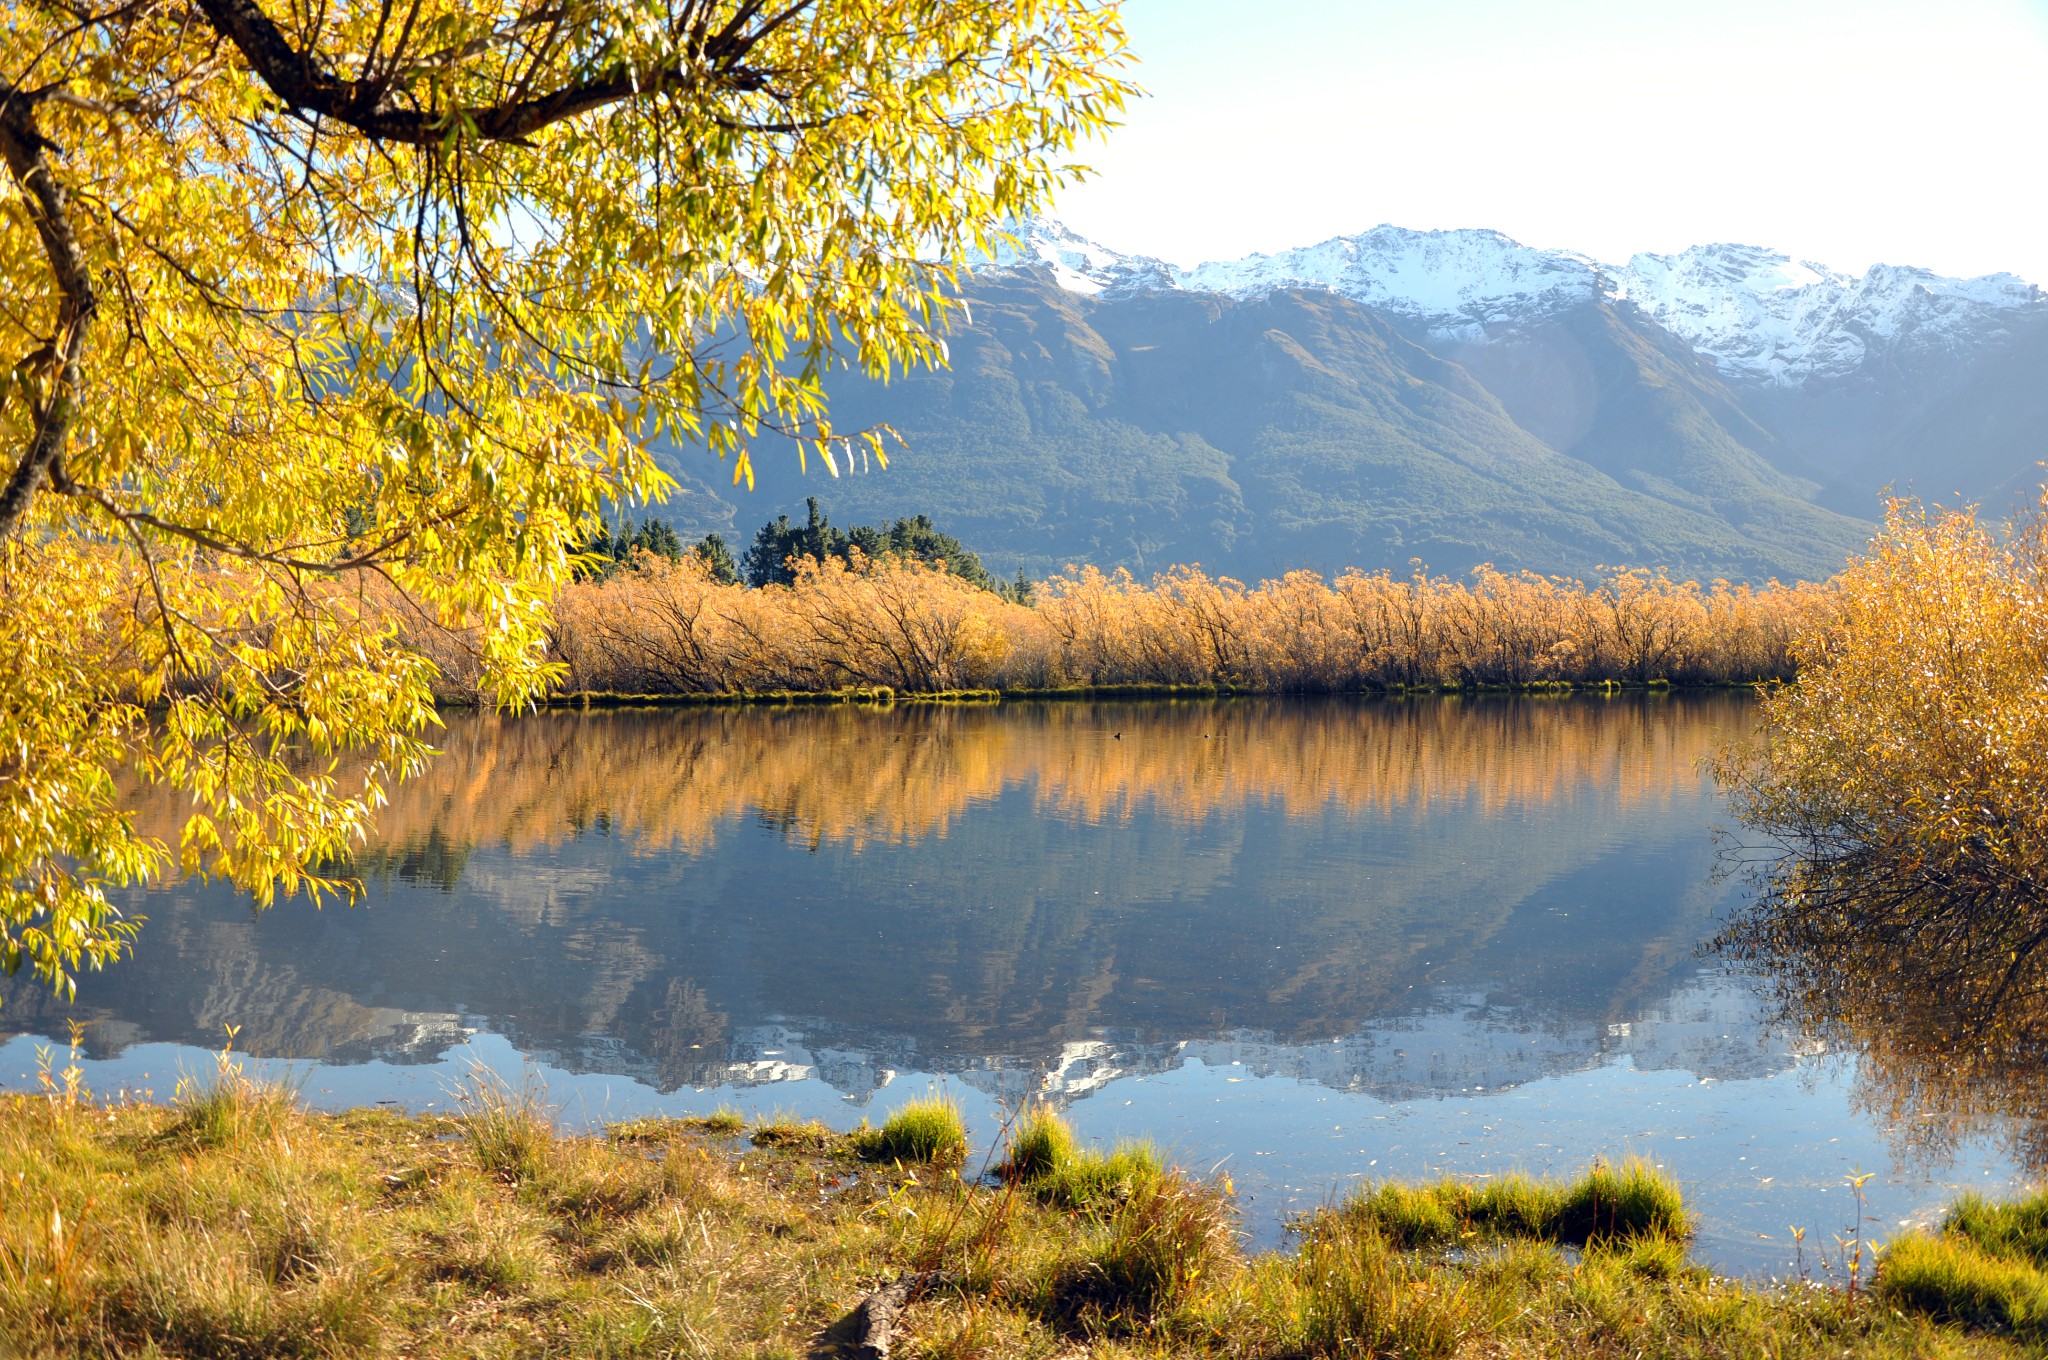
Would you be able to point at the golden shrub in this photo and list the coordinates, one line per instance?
(1915, 742)
(667, 627)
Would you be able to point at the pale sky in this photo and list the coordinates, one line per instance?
(1844, 133)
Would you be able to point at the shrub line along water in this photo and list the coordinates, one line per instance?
(846, 625)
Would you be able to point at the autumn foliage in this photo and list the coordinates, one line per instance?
(668, 628)
(1912, 752)
(839, 774)
(1900, 786)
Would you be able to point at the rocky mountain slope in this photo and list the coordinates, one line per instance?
(1450, 396)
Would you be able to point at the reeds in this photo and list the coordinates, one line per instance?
(668, 628)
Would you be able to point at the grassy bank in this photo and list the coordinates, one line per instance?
(231, 1223)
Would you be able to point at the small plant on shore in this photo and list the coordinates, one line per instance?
(229, 1107)
(510, 1132)
(725, 1121)
(64, 1088)
(790, 1134)
(1047, 1160)
(1628, 1201)
(925, 1130)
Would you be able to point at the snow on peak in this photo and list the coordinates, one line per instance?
(1078, 264)
(1760, 316)
(1456, 282)
(1768, 318)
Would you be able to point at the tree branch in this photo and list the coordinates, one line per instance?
(24, 148)
(367, 104)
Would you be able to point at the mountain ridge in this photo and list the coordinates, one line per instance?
(1452, 397)
(1759, 314)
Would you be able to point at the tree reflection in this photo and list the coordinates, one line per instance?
(669, 893)
(1943, 997)
(673, 780)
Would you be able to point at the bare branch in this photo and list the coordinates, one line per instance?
(372, 104)
(24, 149)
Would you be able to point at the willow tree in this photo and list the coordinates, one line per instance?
(319, 313)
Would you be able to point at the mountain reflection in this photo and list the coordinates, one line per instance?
(1041, 894)
(1945, 1003)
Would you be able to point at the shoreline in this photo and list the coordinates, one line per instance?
(883, 696)
(232, 1222)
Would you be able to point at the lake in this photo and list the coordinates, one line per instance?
(1310, 942)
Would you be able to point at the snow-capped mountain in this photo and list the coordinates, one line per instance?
(1458, 283)
(1761, 317)
(1455, 397)
(1078, 264)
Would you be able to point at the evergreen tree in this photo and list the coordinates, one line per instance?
(718, 560)
(657, 536)
(914, 537)
(607, 550)
(767, 562)
(917, 537)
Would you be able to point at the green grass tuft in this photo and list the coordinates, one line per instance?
(1046, 1159)
(725, 1121)
(232, 1112)
(1039, 1145)
(1632, 1200)
(1951, 1279)
(790, 1134)
(2017, 1230)
(1625, 1202)
(1352, 1291)
(511, 1133)
(926, 1130)
(229, 1109)
(1171, 1235)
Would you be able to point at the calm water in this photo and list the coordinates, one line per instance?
(1313, 942)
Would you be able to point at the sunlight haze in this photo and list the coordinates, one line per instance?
(1847, 134)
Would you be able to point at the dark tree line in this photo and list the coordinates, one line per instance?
(779, 543)
(768, 561)
(609, 549)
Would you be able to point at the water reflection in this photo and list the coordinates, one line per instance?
(1450, 935)
(1944, 1003)
(1006, 889)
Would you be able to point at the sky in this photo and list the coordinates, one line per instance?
(1846, 134)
